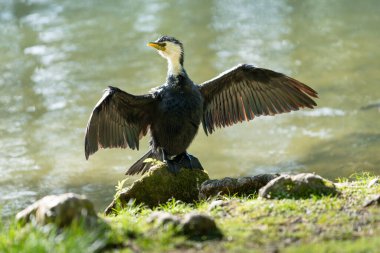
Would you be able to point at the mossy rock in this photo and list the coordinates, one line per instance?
(298, 186)
(375, 201)
(193, 225)
(242, 186)
(61, 210)
(158, 185)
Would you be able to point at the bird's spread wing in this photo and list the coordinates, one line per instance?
(118, 120)
(244, 92)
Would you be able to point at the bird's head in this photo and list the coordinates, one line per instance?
(170, 48)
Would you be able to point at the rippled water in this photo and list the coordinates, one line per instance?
(56, 57)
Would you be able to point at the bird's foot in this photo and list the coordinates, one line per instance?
(173, 167)
(188, 161)
(192, 161)
(183, 160)
(189, 158)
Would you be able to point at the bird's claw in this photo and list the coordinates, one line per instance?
(172, 167)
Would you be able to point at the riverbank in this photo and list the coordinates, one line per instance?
(334, 224)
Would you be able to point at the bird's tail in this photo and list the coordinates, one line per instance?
(142, 166)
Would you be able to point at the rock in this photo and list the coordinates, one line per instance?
(297, 186)
(375, 201)
(371, 106)
(235, 186)
(159, 185)
(164, 219)
(193, 225)
(374, 182)
(59, 209)
(216, 204)
(196, 225)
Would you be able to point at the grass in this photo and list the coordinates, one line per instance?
(318, 224)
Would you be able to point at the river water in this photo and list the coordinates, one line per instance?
(56, 58)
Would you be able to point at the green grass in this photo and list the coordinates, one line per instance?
(318, 224)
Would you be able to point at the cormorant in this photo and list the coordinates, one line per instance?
(173, 111)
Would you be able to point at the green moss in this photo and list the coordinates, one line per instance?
(159, 185)
(364, 244)
(298, 186)
(317, 224)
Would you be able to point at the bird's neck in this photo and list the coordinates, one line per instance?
(175, 68)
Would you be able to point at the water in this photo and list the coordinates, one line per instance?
(56, 57)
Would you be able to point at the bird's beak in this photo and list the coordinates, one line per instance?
(157, 45)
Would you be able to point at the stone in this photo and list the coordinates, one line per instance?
(242, 186)
(374, 182)
(302, 185)
(371, 106)
(61, 210)
(159, 185)
(196, 225)
(193, 225)
(375, 201)
(163, 219)
(216, 204)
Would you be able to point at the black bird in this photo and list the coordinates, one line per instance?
(173, 111)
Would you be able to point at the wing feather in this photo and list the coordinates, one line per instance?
(238, 109)
(118, 120)
(245, 92)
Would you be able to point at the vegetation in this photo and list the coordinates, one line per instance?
(318, 224)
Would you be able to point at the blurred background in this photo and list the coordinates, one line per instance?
(56, 58)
